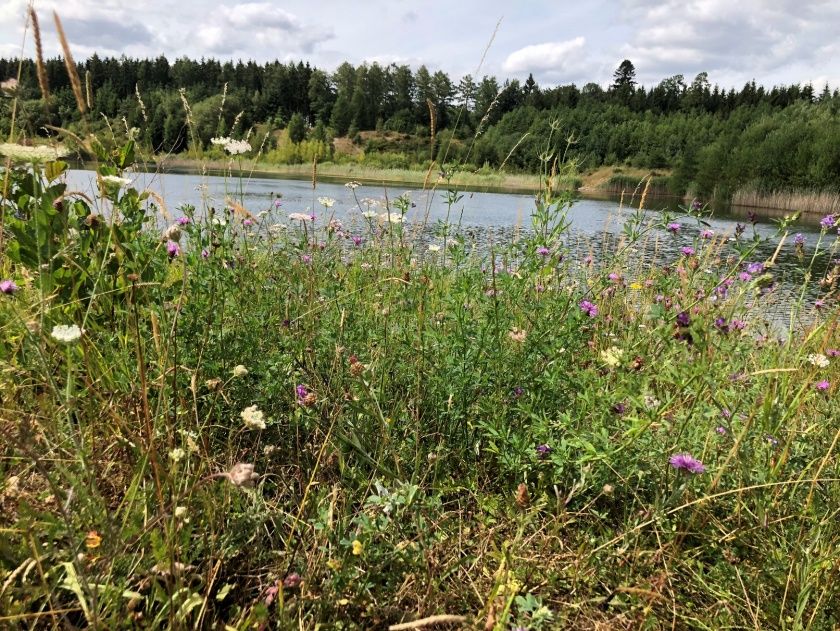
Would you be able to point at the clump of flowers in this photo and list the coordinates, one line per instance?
(300, 217)
(818, 359)
(233, 147)
(66, 333)
(686, 462)
(253, 417)
(612, 356)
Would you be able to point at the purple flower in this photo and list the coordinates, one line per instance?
(356, 240)
(745, 277)
(721, 325)
(247, 222)
(518, 391)
(619, 408)
(543, 251)
(828, 222)
(737, 324)
(687, 463)
(543, 451)
(772, 440)
(302, 392)
(172, 249)
(205, 253)
(720, 429)
(687, 250)
(823, 385)
(8, 287)
(674, 227)
(306, 259)
(799, 239)
(615, 278)
(696, 205)
(755, 268)
(752, 217)
(832, 352)
(589, 308)
(278, 202)
(183, 221)
(683, 319)
(739, 230)
(707, 234)
(587, 259)
(819, 304)
(292, 581)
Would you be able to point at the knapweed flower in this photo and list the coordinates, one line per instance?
(827, 222)
(823, 385)
(683, 319)
(543, 251)
(239, 371)
(205, 253)
(737, 324)
(745, 277)
(242, 474)
(819, 303)
(253, 417)
(799, 239)
(306, 259)
(833, 352)
(183, 221)
(707, 234)
(116, 180)
(720, 429)
(326, 202)
(8, 287)
(299, 217)
(66, 333)
(818, 359)
(172, 249)
(687, 250)
(356, 240)
(543, 451)
(755, 268)
(687, 463)
(619, 408)
(673, 227)
(612, 356)
(589, 308)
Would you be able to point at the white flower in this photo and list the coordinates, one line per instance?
(391, 217)
(818, 359)
(236, 147)
(220, 141)
(66, 333)
(326, 202)
(253, 417)
(242, 474)
(352, 185)
(172, 233)
(180, 512)
(9, 85)
(651, 402)
(433, 247)
(240, 371)
(370, 214)
(612, 356)
(177, 454)
(300, 217)
(116, 179)
(41, 153)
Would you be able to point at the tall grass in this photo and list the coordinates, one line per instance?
(818, 202)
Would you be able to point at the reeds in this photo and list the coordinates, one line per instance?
(813, 201)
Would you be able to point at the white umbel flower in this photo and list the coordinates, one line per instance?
(253, 417)
(116, 179)
(818, 359)
(433, 247)
(66, 333)
(23, 153)
(370, 214)
(326, 202)
(300, 217)
(391, 217)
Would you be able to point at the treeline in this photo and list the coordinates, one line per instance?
(713, 140)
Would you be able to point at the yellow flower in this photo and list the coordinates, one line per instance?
(358, 548)
(635, 285)
(93, 540)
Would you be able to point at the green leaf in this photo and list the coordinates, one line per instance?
(54, 169)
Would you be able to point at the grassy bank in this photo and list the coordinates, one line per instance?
(285, 422)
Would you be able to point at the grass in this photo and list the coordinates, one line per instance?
(478, 432)
(817, 202)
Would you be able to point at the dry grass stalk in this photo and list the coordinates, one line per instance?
(314, 172)
(432, 128)
(140, 102)
(88, 90)
(72, 73)
(40, 68)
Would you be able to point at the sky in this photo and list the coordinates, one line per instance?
(559, 41)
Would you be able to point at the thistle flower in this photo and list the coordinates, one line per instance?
(721, 430)
(173, 249)
(683, 319)
(292, 581)
(205, 253)
(823, 385)
(687, 251)
(686, 462)
(66, 333)
(707, 234)
(183, 221)
(673, 227)
(306, 258)
(8, 287)
(543, 251)
(589, 308)
(827, 222)
(253, 417)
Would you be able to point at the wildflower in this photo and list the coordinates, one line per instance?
(304, 396)
(651, 402)
(828, 222)
(183, 221)
(745, 277)
(543, 451)
(737, 324)
(687, 251)
(391, 217)
(23, 153)
(370, 214)
(9, 85)
(177, 454)
(755, 268)
(433, 247)
(589, 308)
(353, 185)
(799, 239)
(204, 253)
(517, 335)
(116, 180)
(726, 413)
(833, 352)
(180, 512)
(253, 417)
(721, 325)
(173, 249)
(172, 233)
(612, 356)
(356, 240)
(823, 385)
(543, 251)
(686, 462)
(707, 234)
(673, 227)
(772, 440)
(358, 548)
(66, 333)
(292, 581)
(819, 304)
(278, 202)
(93, 540)
(720, 429)
(8, 287)
(683, 319)
(326, 202)
(300, 217)
(518, 391)
(306, 258)
(237, 147)
(619, 408)
(818, 359)
(239, 371)
(242, 474)
(247, 222)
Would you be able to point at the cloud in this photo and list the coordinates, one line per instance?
(102, 32)
(551, 59)
(241, 27)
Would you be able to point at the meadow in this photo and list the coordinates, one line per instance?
(266, 418)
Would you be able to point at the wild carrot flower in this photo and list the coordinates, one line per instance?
(172, 249)
(674, 227)
(818, 359)
(177, 454)
(23, 153)
(242, 474)
(116, 180)
(253, 417)
(612, 356)
(66, 333)
(8, 287)
(326, 202)
(589, 308)
(686, 462)
(299, 217)
(353, 185)
(434, 247)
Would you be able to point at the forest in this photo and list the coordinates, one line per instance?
(709, 141)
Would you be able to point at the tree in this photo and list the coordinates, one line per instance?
(624, 81)
(297, 128)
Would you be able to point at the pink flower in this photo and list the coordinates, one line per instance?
(823, 385)
(172, 249)
(687, 463)
(8, 287)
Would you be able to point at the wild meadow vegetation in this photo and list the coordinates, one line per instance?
(247, 415)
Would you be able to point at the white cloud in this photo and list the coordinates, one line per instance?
(549, 59)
